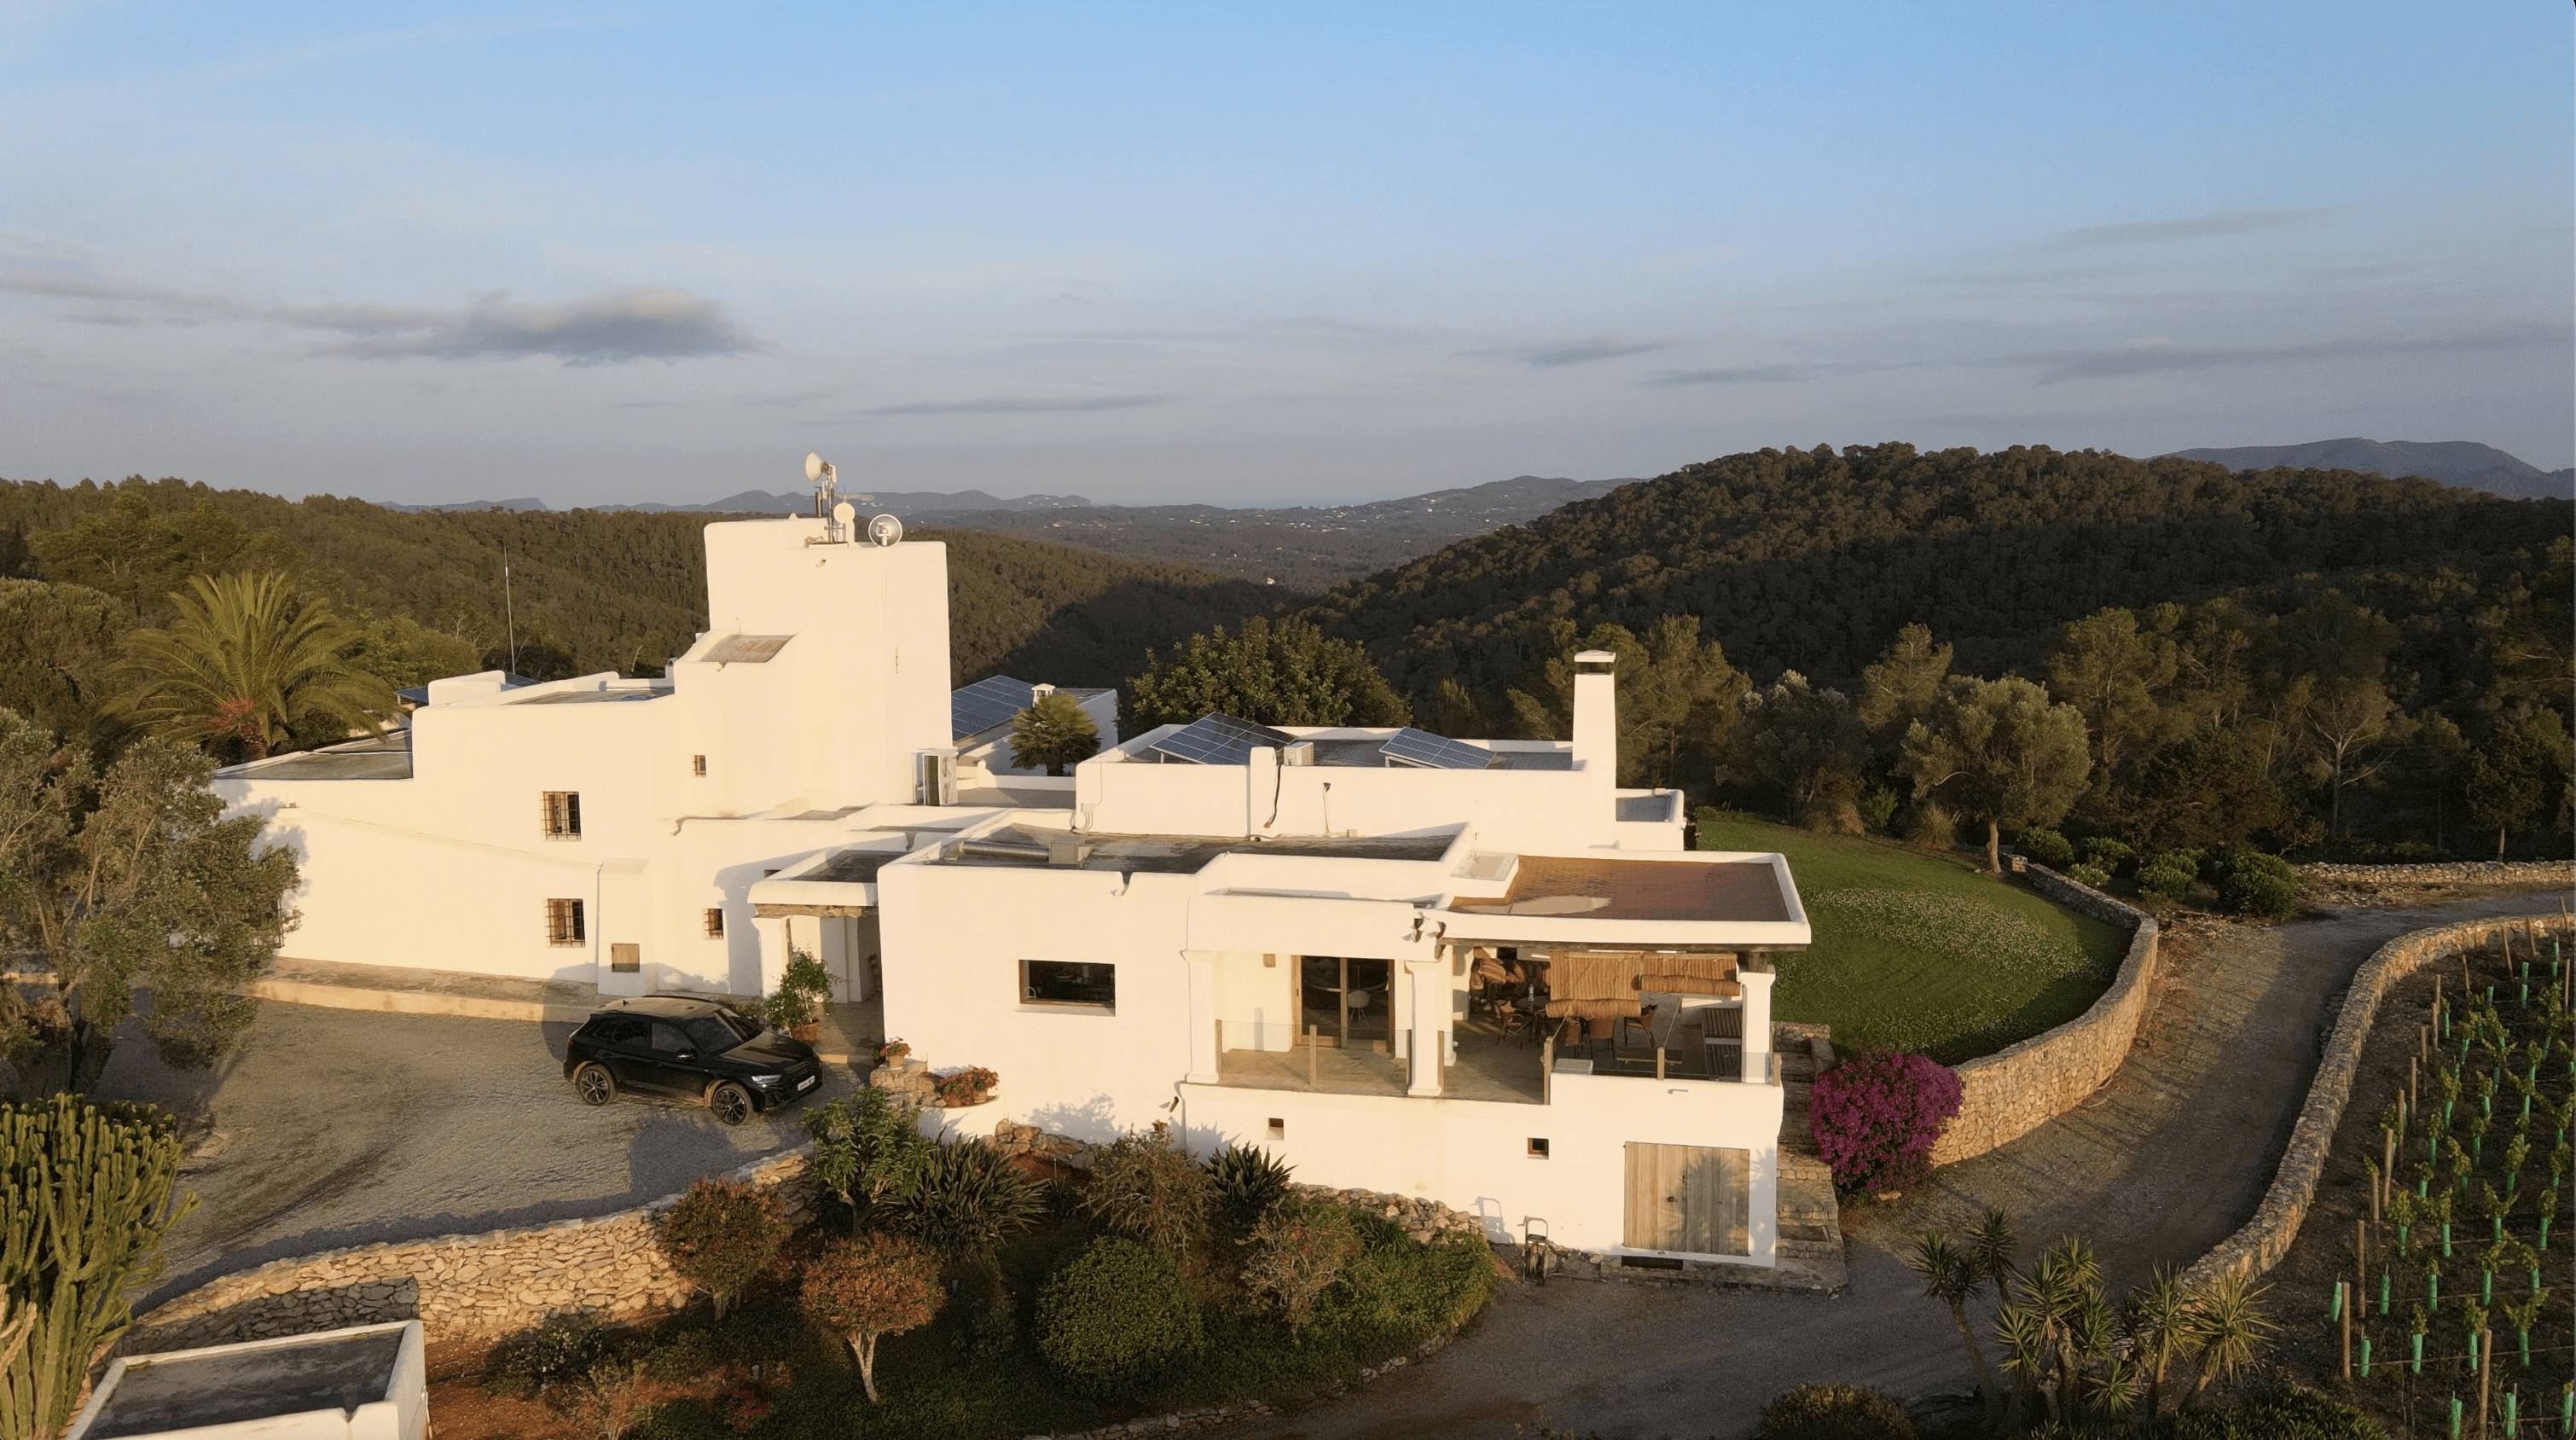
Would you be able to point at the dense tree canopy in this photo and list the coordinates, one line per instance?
(1287, 673)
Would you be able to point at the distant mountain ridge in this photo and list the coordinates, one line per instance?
(1306, 547)
(2463, 463)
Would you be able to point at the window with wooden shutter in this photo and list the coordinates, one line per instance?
(715, 922)
(562, 814)
(625, 959)
(564, 923)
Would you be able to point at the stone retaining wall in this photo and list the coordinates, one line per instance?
(2014, 1091)
(458, 1286)
(2263, 1240)
(2465, 872)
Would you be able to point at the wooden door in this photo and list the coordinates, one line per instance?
(1692, 1199)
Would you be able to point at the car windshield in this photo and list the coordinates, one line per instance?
(719, 1032)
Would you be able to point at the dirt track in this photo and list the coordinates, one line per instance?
(2165, 1161)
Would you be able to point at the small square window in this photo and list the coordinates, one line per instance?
(715, 922)
(625, 959)
(1278, 1128)
(1068, 982)
(562, 814)
(564, 923)
(1538, 1147)
(697, 765)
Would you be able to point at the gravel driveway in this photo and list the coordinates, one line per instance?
(2165, 1161)
(345, 1127)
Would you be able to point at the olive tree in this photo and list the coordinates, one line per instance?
(1999, 751)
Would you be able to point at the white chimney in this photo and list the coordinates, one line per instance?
(1596, 735)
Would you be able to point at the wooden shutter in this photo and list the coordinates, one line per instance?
(625, 959)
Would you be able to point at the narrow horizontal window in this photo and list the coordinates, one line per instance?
(1067, 982)
(1538, 1147)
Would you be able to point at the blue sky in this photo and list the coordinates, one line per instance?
(1205, 253)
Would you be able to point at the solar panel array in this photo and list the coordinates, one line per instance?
(986, 703)
(1409, 746)
(1215, 739)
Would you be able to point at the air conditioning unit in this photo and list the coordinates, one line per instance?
(938, 777)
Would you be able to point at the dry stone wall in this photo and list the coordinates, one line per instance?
(2014, 1091)
(460, 1287)
(2263, 1240)
(2469, 872)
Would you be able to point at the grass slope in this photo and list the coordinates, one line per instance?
(1921, 951)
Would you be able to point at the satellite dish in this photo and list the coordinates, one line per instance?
(844, 512)
(884, 530)
(813, 467)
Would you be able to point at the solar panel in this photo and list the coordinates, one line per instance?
(1434, 752)
(986, 703)
(1214, 739)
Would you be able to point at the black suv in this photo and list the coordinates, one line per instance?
(677, 1045)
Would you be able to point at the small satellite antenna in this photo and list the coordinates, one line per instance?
(884, 530)
(843, 514)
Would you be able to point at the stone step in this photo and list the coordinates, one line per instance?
(1809, 1234)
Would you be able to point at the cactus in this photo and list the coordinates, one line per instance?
(84, 1201)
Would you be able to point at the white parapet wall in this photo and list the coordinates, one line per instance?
(1477, 1157)
(366, 1382)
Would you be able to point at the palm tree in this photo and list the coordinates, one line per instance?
(1951, 1275)
(2227, 1326)
(245, 663)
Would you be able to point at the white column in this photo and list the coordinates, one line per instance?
(1757, 1022)
(775, 937)
(1427, 988)
(1203, 1015)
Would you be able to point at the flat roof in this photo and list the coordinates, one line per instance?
(852, 867)
(1588, 889)
(592, 697)
(190, 1391)
(378, 757)
(1189, 854)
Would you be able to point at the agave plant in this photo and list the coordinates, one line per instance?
(1248, 1182)
(964, 1201)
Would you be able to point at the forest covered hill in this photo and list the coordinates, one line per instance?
(1812, 560)
(591, 590)
(2453, 462)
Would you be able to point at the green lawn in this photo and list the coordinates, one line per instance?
(1922, 951)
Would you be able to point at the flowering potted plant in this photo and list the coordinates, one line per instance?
(803, 990)
(894, 1052)
(970, 1086)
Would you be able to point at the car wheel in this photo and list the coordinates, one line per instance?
(731, 1102)
(594, 1084)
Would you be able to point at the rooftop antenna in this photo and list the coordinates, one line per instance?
(820, 474)
(509, 614)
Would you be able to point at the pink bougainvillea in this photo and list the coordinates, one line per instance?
(1877, 1114)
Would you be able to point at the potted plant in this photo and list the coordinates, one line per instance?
(894, 1052)
(970, 1086)
(803, 990)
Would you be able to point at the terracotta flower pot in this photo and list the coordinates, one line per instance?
(809, 1032)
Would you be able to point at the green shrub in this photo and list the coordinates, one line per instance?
(965, 1200)
(1145, 1186)
(1877, 808)
(2285, 1414)
(534, 1363)
(2106, 853)
(2170, 874)
(1835, 1412)
(2093, 875)
(1248, 1182)
(2253, 883)
(2047, 847)
(1116, 1317)
(1932, 827)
